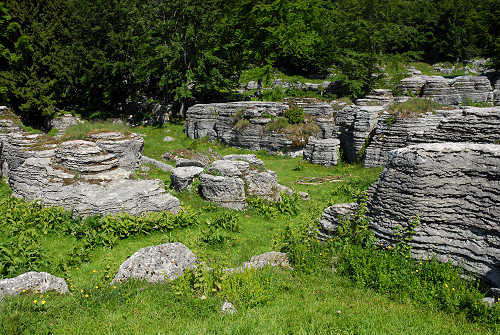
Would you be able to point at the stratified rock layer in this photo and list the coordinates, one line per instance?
(322, 151)
(80, 176)
(466, 124)
(227, 192)
(451, 91)
(127, 148)
(220, 121)
(455, 190)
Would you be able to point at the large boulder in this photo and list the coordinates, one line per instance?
(229, 168)
(183, 177)
(33, 282)
(263, 185)
(227, 192)
(454, 188)
(322, 151)
(157, 264)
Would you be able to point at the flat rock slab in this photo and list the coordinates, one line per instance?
(34, 282)
(183, 177)
(157, 264)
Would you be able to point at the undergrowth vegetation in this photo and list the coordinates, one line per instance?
(350, 284)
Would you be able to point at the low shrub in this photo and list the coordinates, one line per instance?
(295, 115)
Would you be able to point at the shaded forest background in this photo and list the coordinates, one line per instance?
(95, 56)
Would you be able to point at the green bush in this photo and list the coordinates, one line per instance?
(295, 115)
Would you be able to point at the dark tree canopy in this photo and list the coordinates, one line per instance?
(95, 56)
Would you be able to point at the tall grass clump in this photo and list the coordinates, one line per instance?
(414, 108)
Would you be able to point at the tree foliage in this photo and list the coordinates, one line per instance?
(96, 56)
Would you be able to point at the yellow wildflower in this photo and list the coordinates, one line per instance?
(43, 302)
(35, 301)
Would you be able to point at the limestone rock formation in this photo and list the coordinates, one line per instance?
(331, 216)
(63, 122)
(229, 168)
(249, 158)
(263, 185)
(454, 188)
(158, 164)
(322, 151)
(127, 148)
(81, 176)
(244, 124)
(451, 91)
(465, 124)
(183, 177)
(227, 192)
(272, 258)
(157, 264)
(378, 97)
(33, 282)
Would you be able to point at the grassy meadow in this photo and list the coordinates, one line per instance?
(343, 286)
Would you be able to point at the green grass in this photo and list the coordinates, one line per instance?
(313, 299)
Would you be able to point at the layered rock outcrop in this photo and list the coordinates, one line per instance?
(83, 176)
(451, 91)
(465, 124)
(454, 189)
(322, 151)
(245, 124)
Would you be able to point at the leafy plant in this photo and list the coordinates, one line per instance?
(295, 115)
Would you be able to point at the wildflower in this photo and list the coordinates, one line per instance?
(453, 289)
(416, 270)
(389, 247)
(94, 271)
(446, 285)
(96, 286)
(114, 286)
(420, 263)
(81, 290)
(35, 301)
(43, 302)
(24, 291)
(86, 295)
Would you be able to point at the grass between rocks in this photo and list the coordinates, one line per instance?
(336, 288)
